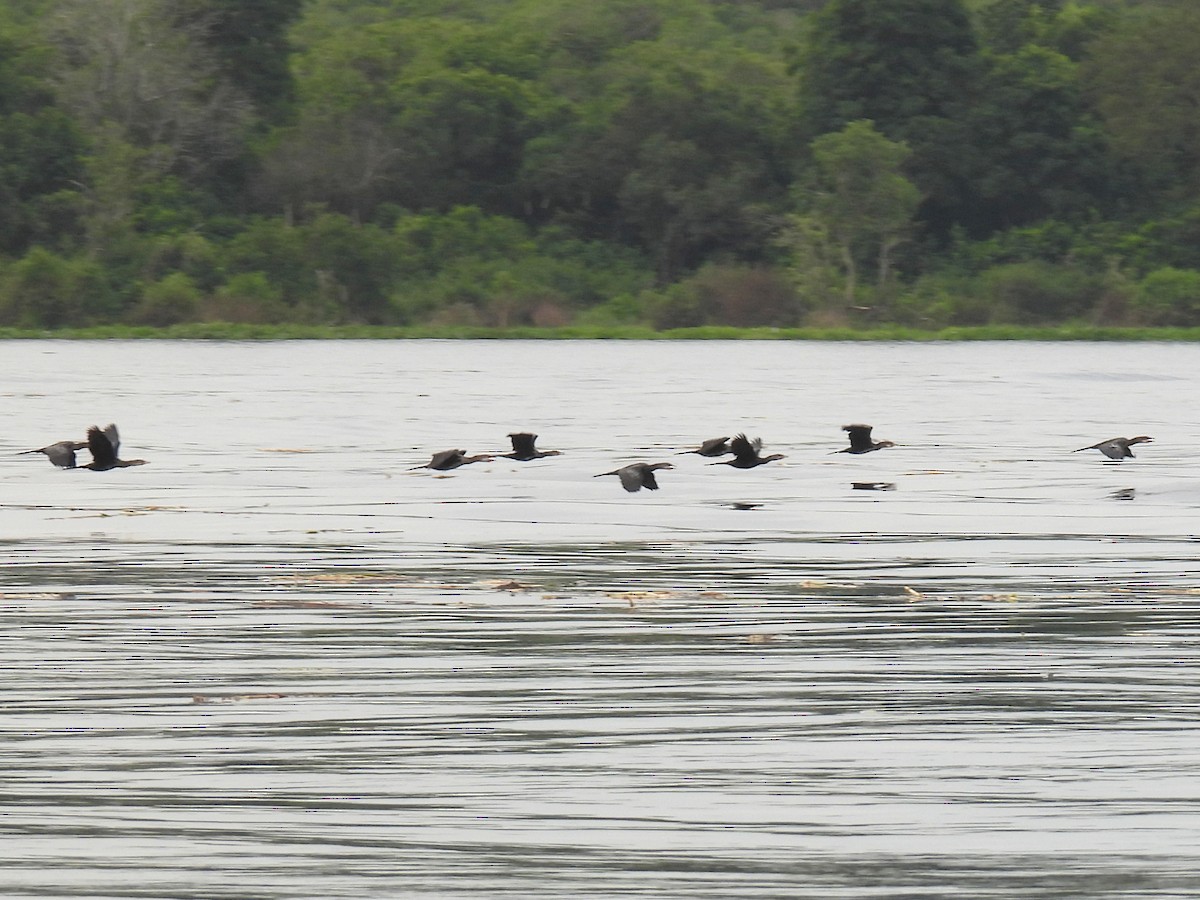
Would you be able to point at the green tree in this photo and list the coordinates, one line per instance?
(247, 297)
(1039, 152)
(1144, 80)
(864, 201)
(279, 251)
(411, 114)
(47, 290)
(912, 68)
(39, 149)
(1066, 26)
(1169, 296)
(680, 156)
(330, 268)
(168, 301)
(1037, 292)
(811, 258)
(895, 62)
(250, 43)
(128, 69)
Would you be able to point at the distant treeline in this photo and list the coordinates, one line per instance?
(650, 164)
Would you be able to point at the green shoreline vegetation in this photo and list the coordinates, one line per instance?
(227, 331)
(653, 169)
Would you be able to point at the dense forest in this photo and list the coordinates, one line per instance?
(665, 163)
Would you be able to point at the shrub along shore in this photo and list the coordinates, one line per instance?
(834, 169)
(225, 331)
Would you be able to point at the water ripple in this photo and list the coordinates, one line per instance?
(245, 672)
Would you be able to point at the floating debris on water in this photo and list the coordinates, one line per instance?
(304, 604)
(759, 638)
(643, 595)
(347, 578)
(234, 698)
(509, 585)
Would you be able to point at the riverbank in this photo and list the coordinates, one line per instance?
(223, 331)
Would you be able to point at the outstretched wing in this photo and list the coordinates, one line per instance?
(110, 432)
(860, 437)
(446, 459)
(523, 443)
(745, 449)
(62, 454)
(631, 479)
(1113, 448)
(101, 445)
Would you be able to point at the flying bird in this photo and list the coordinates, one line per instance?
(717, 446)
(636, 476)
(1118, 447)
(104, 446)
(452, 459)
(746, 454)
(62, 454)
(860, 440)
(523, 448)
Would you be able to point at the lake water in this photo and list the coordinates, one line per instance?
(278, 662)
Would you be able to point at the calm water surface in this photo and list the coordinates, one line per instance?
(278, 662)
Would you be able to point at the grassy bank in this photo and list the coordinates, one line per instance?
(221, 331)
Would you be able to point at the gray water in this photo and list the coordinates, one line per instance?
(279, 662)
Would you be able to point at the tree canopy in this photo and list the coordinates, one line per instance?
(556, 161)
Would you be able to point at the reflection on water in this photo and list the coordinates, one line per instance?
(278, 663)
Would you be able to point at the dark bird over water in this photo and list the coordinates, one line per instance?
(717, 446)
(1117, 448)
(104, 446)
(746, 454)
(636, 476)
(524, 449)
(452, 459)
(860, 440)
(61, 454)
